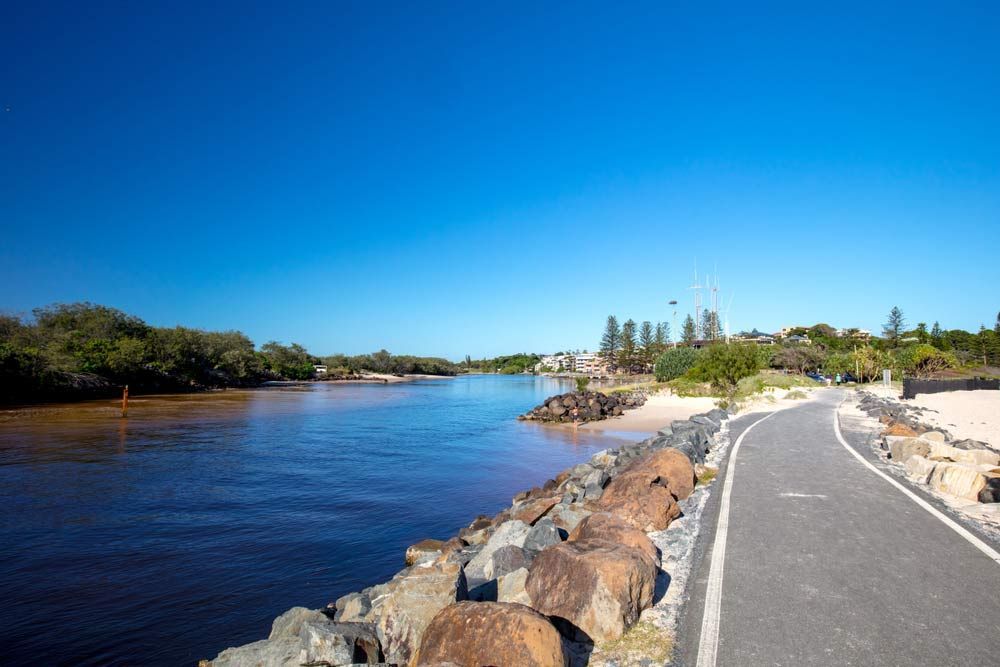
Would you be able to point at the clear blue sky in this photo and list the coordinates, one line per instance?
(462, 179)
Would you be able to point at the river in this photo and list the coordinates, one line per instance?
(186, 528)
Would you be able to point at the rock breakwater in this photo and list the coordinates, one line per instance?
(567, 565)
(584, 406)
(966, 469)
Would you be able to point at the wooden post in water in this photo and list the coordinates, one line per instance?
(125, 402)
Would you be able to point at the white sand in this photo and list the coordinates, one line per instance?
(662, 408)
(658, 411)
(965, 414)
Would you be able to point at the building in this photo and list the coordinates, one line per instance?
(590, 364)
(863, 334)
(556, 362)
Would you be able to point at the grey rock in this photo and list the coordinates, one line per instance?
(968, 444)
(353, 607)
(281, 652)
(510, 587)
(340, 643)
(991, 492)
(507, 559)
(508, 533)
(289, 623)
(542, 534)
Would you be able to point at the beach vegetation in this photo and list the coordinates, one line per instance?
(724, 365)
(674, 363)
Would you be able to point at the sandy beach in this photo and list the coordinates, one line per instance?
(658, 411)
(662, 408)
(965, 414)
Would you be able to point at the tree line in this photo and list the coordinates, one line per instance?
(80, 349)
(633, 348)
(918, 352)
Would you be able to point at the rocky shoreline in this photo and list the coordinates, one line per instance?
(584, 406)
(554, 579)
(966, 469)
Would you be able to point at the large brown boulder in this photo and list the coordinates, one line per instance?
(641, 498)
(898, 428)
(594, 587)
(604, 526)
(672, 466)
(411, 601)
(490, 633)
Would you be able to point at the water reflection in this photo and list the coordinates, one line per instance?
(166, 536)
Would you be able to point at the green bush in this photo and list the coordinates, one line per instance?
(723, 366)
(581, 384)
(674, 363)
(923, 360)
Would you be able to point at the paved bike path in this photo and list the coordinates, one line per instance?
(826, 563)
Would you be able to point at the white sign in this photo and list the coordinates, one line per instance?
(887, 377)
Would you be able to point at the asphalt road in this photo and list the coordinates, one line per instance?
(826, 563)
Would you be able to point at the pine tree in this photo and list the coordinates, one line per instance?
(647, 341)
(894, 326)
(688, 331)
(611, 341)
(710, 325)
(996, 327)
(629, 347)
(936, 329)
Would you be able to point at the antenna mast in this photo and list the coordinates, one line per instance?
(697, 302)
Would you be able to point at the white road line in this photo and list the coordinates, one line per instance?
(708, 646)
(969, 537)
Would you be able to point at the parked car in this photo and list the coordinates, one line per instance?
(815, 376)
(847, 377)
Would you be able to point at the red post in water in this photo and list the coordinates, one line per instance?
(125, 402)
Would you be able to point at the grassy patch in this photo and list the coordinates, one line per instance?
(684, 386)
(707, 475)
(642, 640)
(782, 381)
(649, 386)
(796, 395)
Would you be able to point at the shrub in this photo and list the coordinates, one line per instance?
(674, 363)
(923, 360)
(581, 384)
(725, 365)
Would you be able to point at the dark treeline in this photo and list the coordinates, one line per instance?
(81, 350)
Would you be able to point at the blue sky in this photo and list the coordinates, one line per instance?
(456, 179)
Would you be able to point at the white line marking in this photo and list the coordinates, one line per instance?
(801, 495)
(969, 537)
(708, 645)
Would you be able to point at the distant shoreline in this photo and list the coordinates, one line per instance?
(113, 393)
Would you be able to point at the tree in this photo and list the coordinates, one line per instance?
(628, 355)
(688, 331)
(662, 335)
(996, 327)
(647, 343)
(800, 358)
(894, 325)
(725, 365)
(921, 332)
(675, 362)
(710, 328)
(611, 342)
